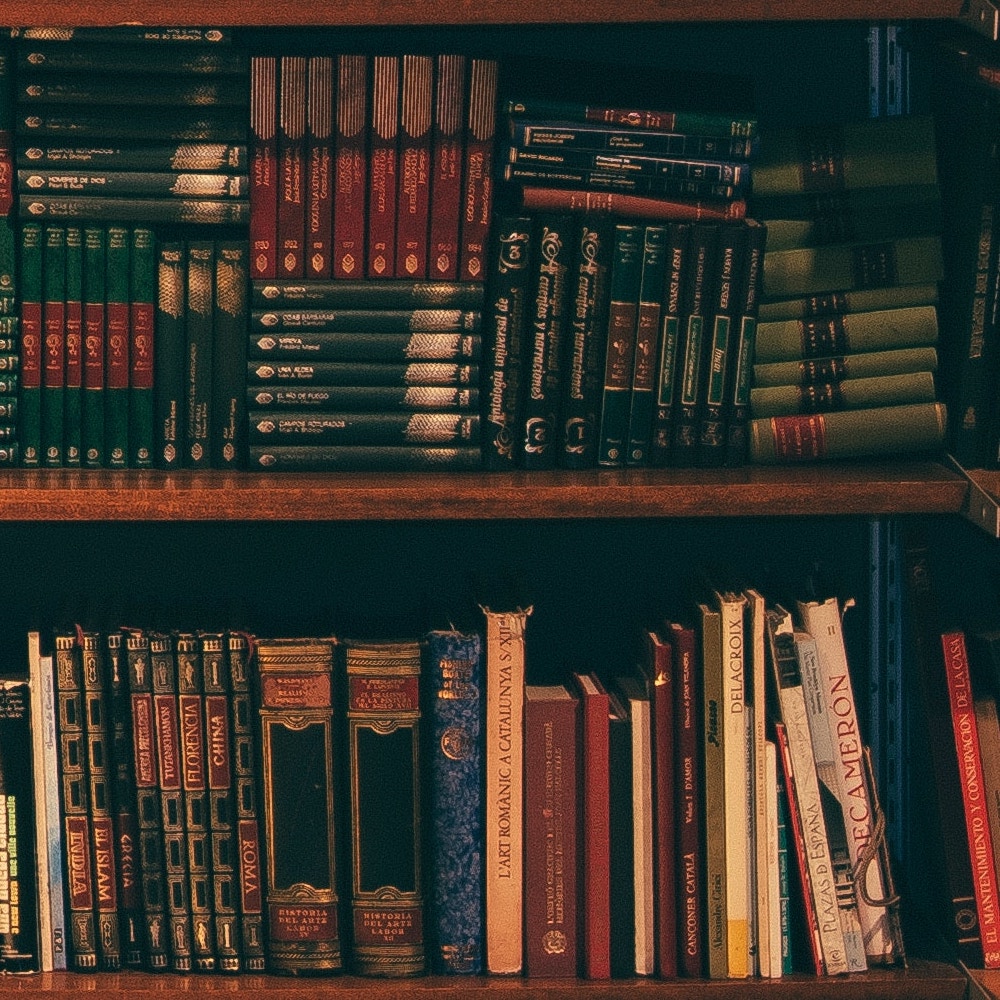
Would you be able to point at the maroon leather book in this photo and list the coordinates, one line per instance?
(350, 166)
(264, 167)
(413, 195)
(660, 676)
(477, 188)
(291, 166)
(383, 164)
(550, 831)
(319, 167)
(447, 158)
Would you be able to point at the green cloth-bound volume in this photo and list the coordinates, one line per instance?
(847, 394)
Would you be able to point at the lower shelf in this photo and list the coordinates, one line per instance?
(921, 981)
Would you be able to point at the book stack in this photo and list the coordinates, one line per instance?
(385, 165)
(131, 126)
(364, 374)
(847, 341)
(10, 339)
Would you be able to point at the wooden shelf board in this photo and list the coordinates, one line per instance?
(922, 981)
(98, 495)
(462, 12)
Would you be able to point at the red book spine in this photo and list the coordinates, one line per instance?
(413, 196)
(970, 768)
(595, 830)
(350, 166)
(550, 832)
(264, 166)
(291, 164)
(477, 187)
(446, 167)
(383, 164)
(661, 674)
(319, 150)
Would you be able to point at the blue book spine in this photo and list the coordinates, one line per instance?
(455, 712)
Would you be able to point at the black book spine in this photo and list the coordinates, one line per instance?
(356, 458)
(369, 320)
(393, 428)
(186, 157)
(355, 398)
(344, 373)
(170, 353)
(390, 293)
(365, 346)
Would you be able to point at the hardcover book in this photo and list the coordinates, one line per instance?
(446, 165)
(413, 198)
(116, 348)
(808, 306)
(292, 169)
(199, 308)
(846, 394)
(74, 348)
(551, 760)
(358, 458)
(348, 293)
(94, 332)
(170, 356)
(350, 166)
(383, 166)
(227, 425)
(649, 208)
(319, 167)
(383, 723)
(264, 166)
(32, 339)
(142, 346)
(477, 182)
(295, 694)
(54, 350)
(456, 699)
(867, 364)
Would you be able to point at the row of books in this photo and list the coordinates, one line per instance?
(118, 332)
(371, 166)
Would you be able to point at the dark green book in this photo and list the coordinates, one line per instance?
(138, 90)
(623, 310)
(347, 373)
(117, 341)
(200, 307)
(54, 349)
(108, 208)
(847, 394)
(169, 351)
(188, 157)
(344, 293)
(228, 409)
(833, 369)
(370, 320)
(142, 327)
(363, 458)
(133, 183)
(655, 262)
(353, 346)
(31, 345)
(89, 122)
(72, 414)
(92, 57)
(356, 398)
(283, 427)
(92, 443)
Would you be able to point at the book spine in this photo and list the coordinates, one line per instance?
(291, 166)
(455, 679)
(99, 798)
(365, 398)
(966, 734)
(551, 754)
(587, 309)
(337, 373)
(54, 350)
(142, 347)
(477, 180)
(196, 157)
(76, 827)
(94, 323)
(383, 719)
(199, 308)
(170, 356)
(319, 167)
(130, 57)
(279, 428)
(691, 349)
(294, 691)
(661, 434)
(246, 816)
(365, 320)
(504, 815)
(347, 293)
(904, 360)
(125, 823)
(346, 346)
(74, 347)
(142, 211)
(142, 184)
(117, 340)
(647, 341)
(157, 942)
(536, 198)
(623, 308)
(414, 193)
(188, 661)
(32, 340)
(383, 165)
(358, 458)
(264, 166)
(446, 163)
(552, 242)
(350, 167)
(228, 405)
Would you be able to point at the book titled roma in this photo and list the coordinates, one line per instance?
(295, 694)
(383, 723)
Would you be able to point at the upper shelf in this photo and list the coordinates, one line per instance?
(373, 13)
(862, 488)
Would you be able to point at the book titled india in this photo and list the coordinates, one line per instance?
(319, 167)
(447, 159)
(383, 166)
(264, 166)
(72, 413)
(348, 293)
(116, 347)
(346, 346)
(477, 180)
(586, 324)
(536, 198)
(551, 831)
(94, 332)
(294, 680)
(911, 428)
(54, 350)
(455, 713)
(383, 733)
(545, 327)
(357, 458)
(291, 165)
(32, 339)
(413, 197)
(199, 315)
(170, 356)
(142, 346)
(350, 166)
(227, 432)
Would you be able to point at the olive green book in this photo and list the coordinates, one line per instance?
(846, 394)
(835, 368)
(806, 306)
